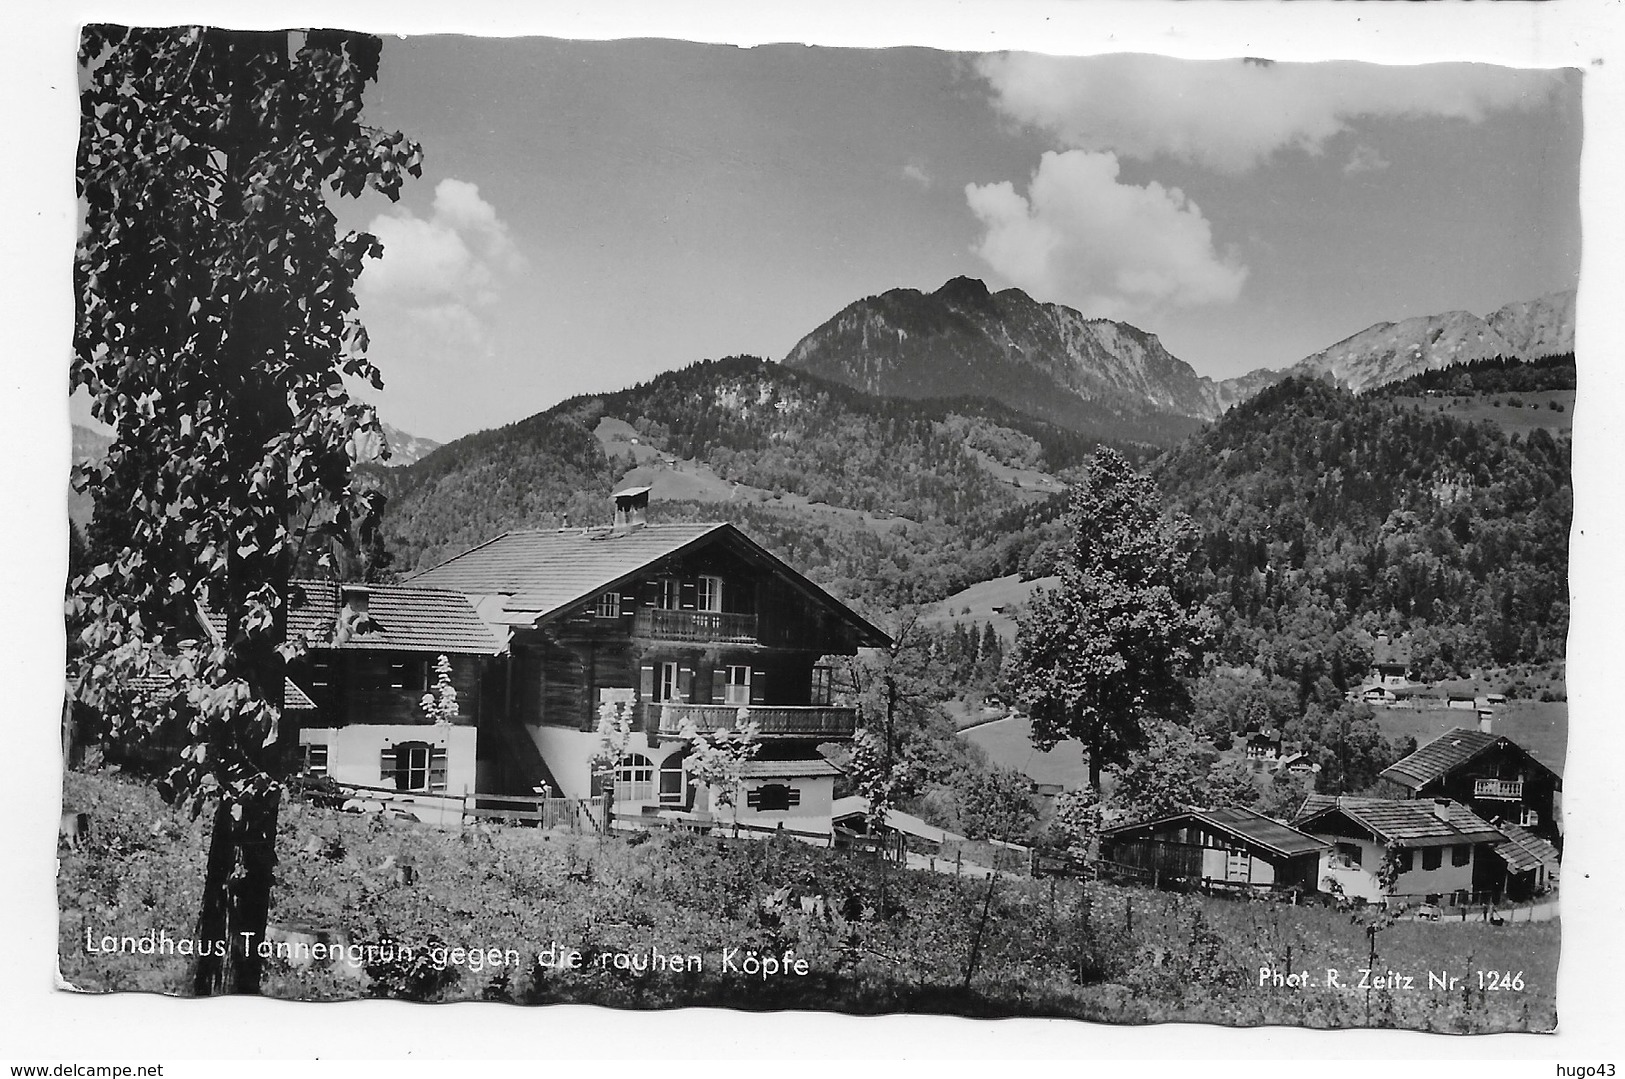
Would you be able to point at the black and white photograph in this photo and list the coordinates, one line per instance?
(655, 522)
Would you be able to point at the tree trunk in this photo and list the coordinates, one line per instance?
(237, 895)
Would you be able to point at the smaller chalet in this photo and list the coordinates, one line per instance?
(1229, 847)
(1490, 773)
(1444, 848)
(372, 654)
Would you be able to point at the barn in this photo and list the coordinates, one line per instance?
(1226, 848)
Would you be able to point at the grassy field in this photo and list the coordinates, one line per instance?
(980, 599)
(1534, 411)
(1008, 742)
(1540, 727)
(632, 905)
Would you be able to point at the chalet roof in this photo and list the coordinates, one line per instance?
(1391, 653)
(815, 766)
(858, 806)
(1524, 850)
(1414, 823)
(1446, 753)
(543, 573)
(405, 618)
(294, 699)
(1244, 825)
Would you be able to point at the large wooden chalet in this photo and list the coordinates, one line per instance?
(683, 624)
(1493, 775)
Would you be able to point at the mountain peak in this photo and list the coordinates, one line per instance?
(964, 290)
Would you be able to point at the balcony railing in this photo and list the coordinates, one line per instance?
(1509, 789)
(772, 720)
(695, 625)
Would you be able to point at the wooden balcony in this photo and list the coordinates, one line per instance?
(695, 626)
(776, 721)
(1510, 790)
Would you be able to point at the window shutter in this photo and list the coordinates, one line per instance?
(719, 685)
(686, 599)
(437, 769)
(646, 683)
(758, 686)
(685, 684)
(386, 764)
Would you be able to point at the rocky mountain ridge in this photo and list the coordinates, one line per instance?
(1051, 362)
(1390, 351)
(1045, 359)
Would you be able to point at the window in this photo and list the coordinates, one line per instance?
(634, 779)
(770, 797)
(410, 675)
(414, 766)
(672, 780)
(609, 605)
(313, 758)
(671, 594)
(710, 594)
(1351, 851)
(1461, 854)
(321, 676)
(738, 686)
(1406, 860)
(1432, 857)
(671, 682)
(823, 685)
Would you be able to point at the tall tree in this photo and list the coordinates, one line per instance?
(1113, 645)
(216, 326)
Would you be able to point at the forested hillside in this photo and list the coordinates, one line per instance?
(1322, 511)
(930, 515)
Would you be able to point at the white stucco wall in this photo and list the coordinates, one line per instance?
(353, 756)
(1361, 881)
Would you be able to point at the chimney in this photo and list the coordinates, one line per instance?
(353, 597)
(352, 614)
(631, 509)
(1441, 808)
(1485, 720)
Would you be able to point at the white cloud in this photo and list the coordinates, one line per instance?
(1364, 159)
(1231, 115)
(446, 269)
(1107, 248)
(917, 174)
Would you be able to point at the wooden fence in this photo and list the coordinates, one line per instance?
(455, 810)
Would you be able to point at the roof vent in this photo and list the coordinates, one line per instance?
(631, 509)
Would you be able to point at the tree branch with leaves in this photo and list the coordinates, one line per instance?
(216, 328)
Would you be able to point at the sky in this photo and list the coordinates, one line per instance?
(593, 213)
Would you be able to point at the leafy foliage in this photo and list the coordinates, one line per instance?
(1112, 646)
(215, 327)
(1323, 514)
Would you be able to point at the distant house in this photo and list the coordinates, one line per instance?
(1443, 848)
(1297, 764)
(1264, 745)
(1491, 773)
(1229, 847)
(1390, 661)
